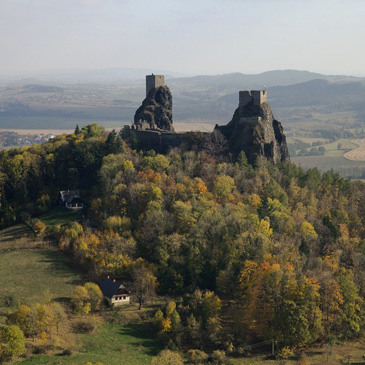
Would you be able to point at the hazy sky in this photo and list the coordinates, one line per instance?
(187, 36)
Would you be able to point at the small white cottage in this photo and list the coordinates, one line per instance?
(115, 291)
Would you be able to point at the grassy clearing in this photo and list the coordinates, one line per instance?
(28, 274)
(13, 233)
(60, 215)
(111, 344)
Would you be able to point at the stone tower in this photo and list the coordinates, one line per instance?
(254, 130)
(153, 81)
(254, 97)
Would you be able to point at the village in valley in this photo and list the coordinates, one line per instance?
(13, 139)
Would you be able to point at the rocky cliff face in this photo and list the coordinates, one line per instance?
(156, 110)
(254, 130)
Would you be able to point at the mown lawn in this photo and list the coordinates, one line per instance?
(112, 344)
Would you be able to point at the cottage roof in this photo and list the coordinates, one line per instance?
(75, 200)
(69, 195)
(111, 287)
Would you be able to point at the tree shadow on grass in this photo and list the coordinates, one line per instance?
(62, 300)
(61, 265)
(144, 336)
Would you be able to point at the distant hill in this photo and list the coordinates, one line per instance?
(329, 93)
(115, 94)
(120, 74)
(239, 81)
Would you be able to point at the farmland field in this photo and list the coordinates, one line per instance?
(346, 168)
(357, 154)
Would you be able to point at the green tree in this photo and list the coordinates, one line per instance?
(24, 319)
(11, 342)
(95, 295)
(353, 306)
(80, 300)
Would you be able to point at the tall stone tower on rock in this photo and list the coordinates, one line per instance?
(156, 109)
(254, 130)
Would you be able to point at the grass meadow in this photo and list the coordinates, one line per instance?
(131, 344)
(60, 215)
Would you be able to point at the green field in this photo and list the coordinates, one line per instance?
(14, 237)
(28, 274)
(111, 344)
(60, 215)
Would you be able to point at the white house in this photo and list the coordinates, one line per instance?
(115, 291)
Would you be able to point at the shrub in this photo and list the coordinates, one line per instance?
(66, 352)
(197, 356)
(84, 326)
(167, 357)
(285, 353)
(219, 357)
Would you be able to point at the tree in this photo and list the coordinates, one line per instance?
(144, 283)
(353, 306)
(39, 228)
(11, 342)
(95, 295)
(24, 319)
(223, 187)
(80, 300)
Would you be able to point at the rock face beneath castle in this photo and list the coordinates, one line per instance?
(254, 130)
(156, 110)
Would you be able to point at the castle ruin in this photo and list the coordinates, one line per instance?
(254, 97)
(153, 82)
(253, 128)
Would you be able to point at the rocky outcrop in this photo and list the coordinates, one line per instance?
(156, 110)
(254, 130)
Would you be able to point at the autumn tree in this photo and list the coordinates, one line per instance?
(144, 282)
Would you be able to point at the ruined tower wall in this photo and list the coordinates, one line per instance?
(153, 81)
(255, 97)
(259, 97)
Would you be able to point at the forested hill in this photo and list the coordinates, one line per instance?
(256, 252)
